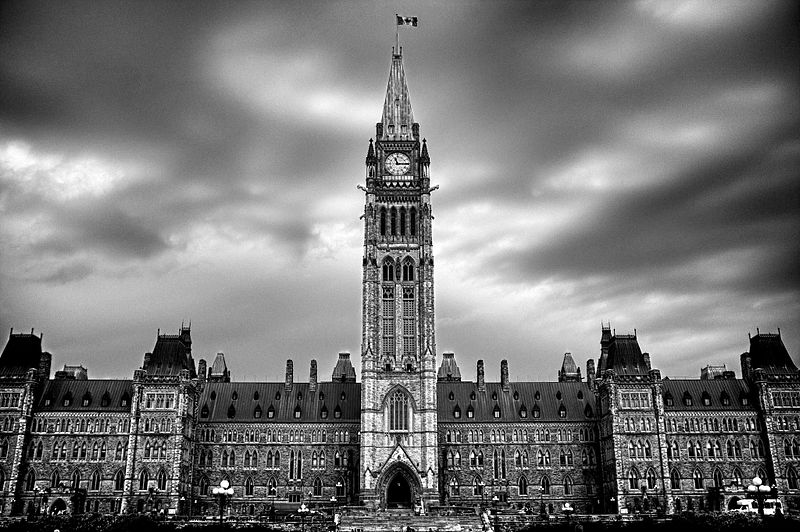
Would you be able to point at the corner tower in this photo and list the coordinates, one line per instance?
(398, 346)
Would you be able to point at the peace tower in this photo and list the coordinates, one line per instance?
(398, 345)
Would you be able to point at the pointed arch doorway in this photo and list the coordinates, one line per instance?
(400, 488)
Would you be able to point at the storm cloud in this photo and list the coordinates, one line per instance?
(632, 162)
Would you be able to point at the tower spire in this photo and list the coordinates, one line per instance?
(398, 119)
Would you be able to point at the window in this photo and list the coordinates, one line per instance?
(398, 412)
(698, 479)
(317, 487)
(297, 412)
(270, 412)
(633, 479)
(470, 412)
(457, 412)
(545, 485)
(674, 480)
(567, 486)
(388, 269)
(30, 480)
(94, 483)
(562, 411)
(523, 486)
(87, 399)
(668, 400)
(388, 320)
(409, 322)
(718, 481)
(408, 270)
(687, 399)
(791, 476)
(453, 487)
(76, 479)
(651, 479)
(119, 480)
(496, 412)
(248, 487)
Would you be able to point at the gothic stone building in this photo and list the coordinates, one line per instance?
(620, 437)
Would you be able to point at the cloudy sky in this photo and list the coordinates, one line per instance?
(631, 162)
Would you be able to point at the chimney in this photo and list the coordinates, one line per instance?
(289, 375)
(312, 377)
(481, 377)
(202, 369)
(646, 357)
(504, 375)
(590, 373)
(44, 365)
(746, 369)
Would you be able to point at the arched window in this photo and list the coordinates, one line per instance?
(648, 452)
(388, 269)
(144, 479)
(408, 269)
(402, 221)
(698, 479)
(545, 485)
(633, 479)
(203, 486)
(651, 478)
(523, 485)
(453, 487)
(162, 480)
(119, 480)
(791, 476)
(477, 486)
(94, 481)
(674, 480)
(393, 220)
(718, 478)
(398, 412)
(412, 221)
(567, 486)
(30, 480)
(317, 487)
(383, 221)
(248, 487)
(55, 479)
(76, 479)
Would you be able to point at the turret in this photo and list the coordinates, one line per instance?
(448, 370)
(569, 372)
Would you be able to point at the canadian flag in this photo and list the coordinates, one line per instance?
(406, 21)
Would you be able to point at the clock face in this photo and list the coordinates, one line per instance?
(397, 163)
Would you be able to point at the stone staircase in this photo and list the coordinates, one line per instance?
(400, 522)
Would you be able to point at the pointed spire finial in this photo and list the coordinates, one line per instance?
(370, 152)
(424, 157)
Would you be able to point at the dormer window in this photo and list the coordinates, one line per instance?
(87, 399)
(668, 400)
(562, 411)
(337, 412)
(706, 399)
(297, 412)
(213, 395)
(496, 412)
(451, 396)
(472, 396)
(48, 401)
(125, 400)
(257, 412)
(558, 395)
(457, 412)
(277, 396)
(537, 412)
(725, 399)
(105, 400)
(299, 396)
(343, 396)
(204, 412)
(580, 394)
(67, 399)
(270, 412)
(324, 412)
(234, 396)
(494, 396)
(687, 399)
(255, 395)
(231, 412)
(745, 400)
(470, 412)
(588, 412)
(516, 395)
(523, 412)
(537, 396)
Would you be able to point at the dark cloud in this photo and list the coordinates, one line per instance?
(631, 161)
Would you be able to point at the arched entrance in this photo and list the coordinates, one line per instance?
(398, 492)
(58, 507)
(400, 487)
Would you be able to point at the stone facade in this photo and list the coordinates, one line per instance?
(625, 438)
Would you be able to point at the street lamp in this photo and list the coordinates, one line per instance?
(541, 501)
(759, 490)
(223, 491)
(36, 491)
(481, 486)
(303, 511)
(273, 490)
(613, 501)
(338, 488)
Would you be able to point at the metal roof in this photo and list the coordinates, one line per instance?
(100, 391)
(715, 389)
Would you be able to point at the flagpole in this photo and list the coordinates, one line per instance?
(396, 35)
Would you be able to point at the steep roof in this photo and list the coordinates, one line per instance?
(244, 397)
(448, 370)
(768, 352)
(397, 104)
(171, 354)
(548, 397)
(625, 356)
(105, 395)
(22, 352)
(716, 390)
(344, 370)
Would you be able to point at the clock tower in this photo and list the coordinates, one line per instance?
(398, 345)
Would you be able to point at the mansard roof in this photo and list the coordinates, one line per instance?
(548, 397)
(625, 356)
(734, 389)
(344, 370)
(171, 354)
(768, 352)
(245, 397)
(22, 352)
(105, 395)
(448, 370)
